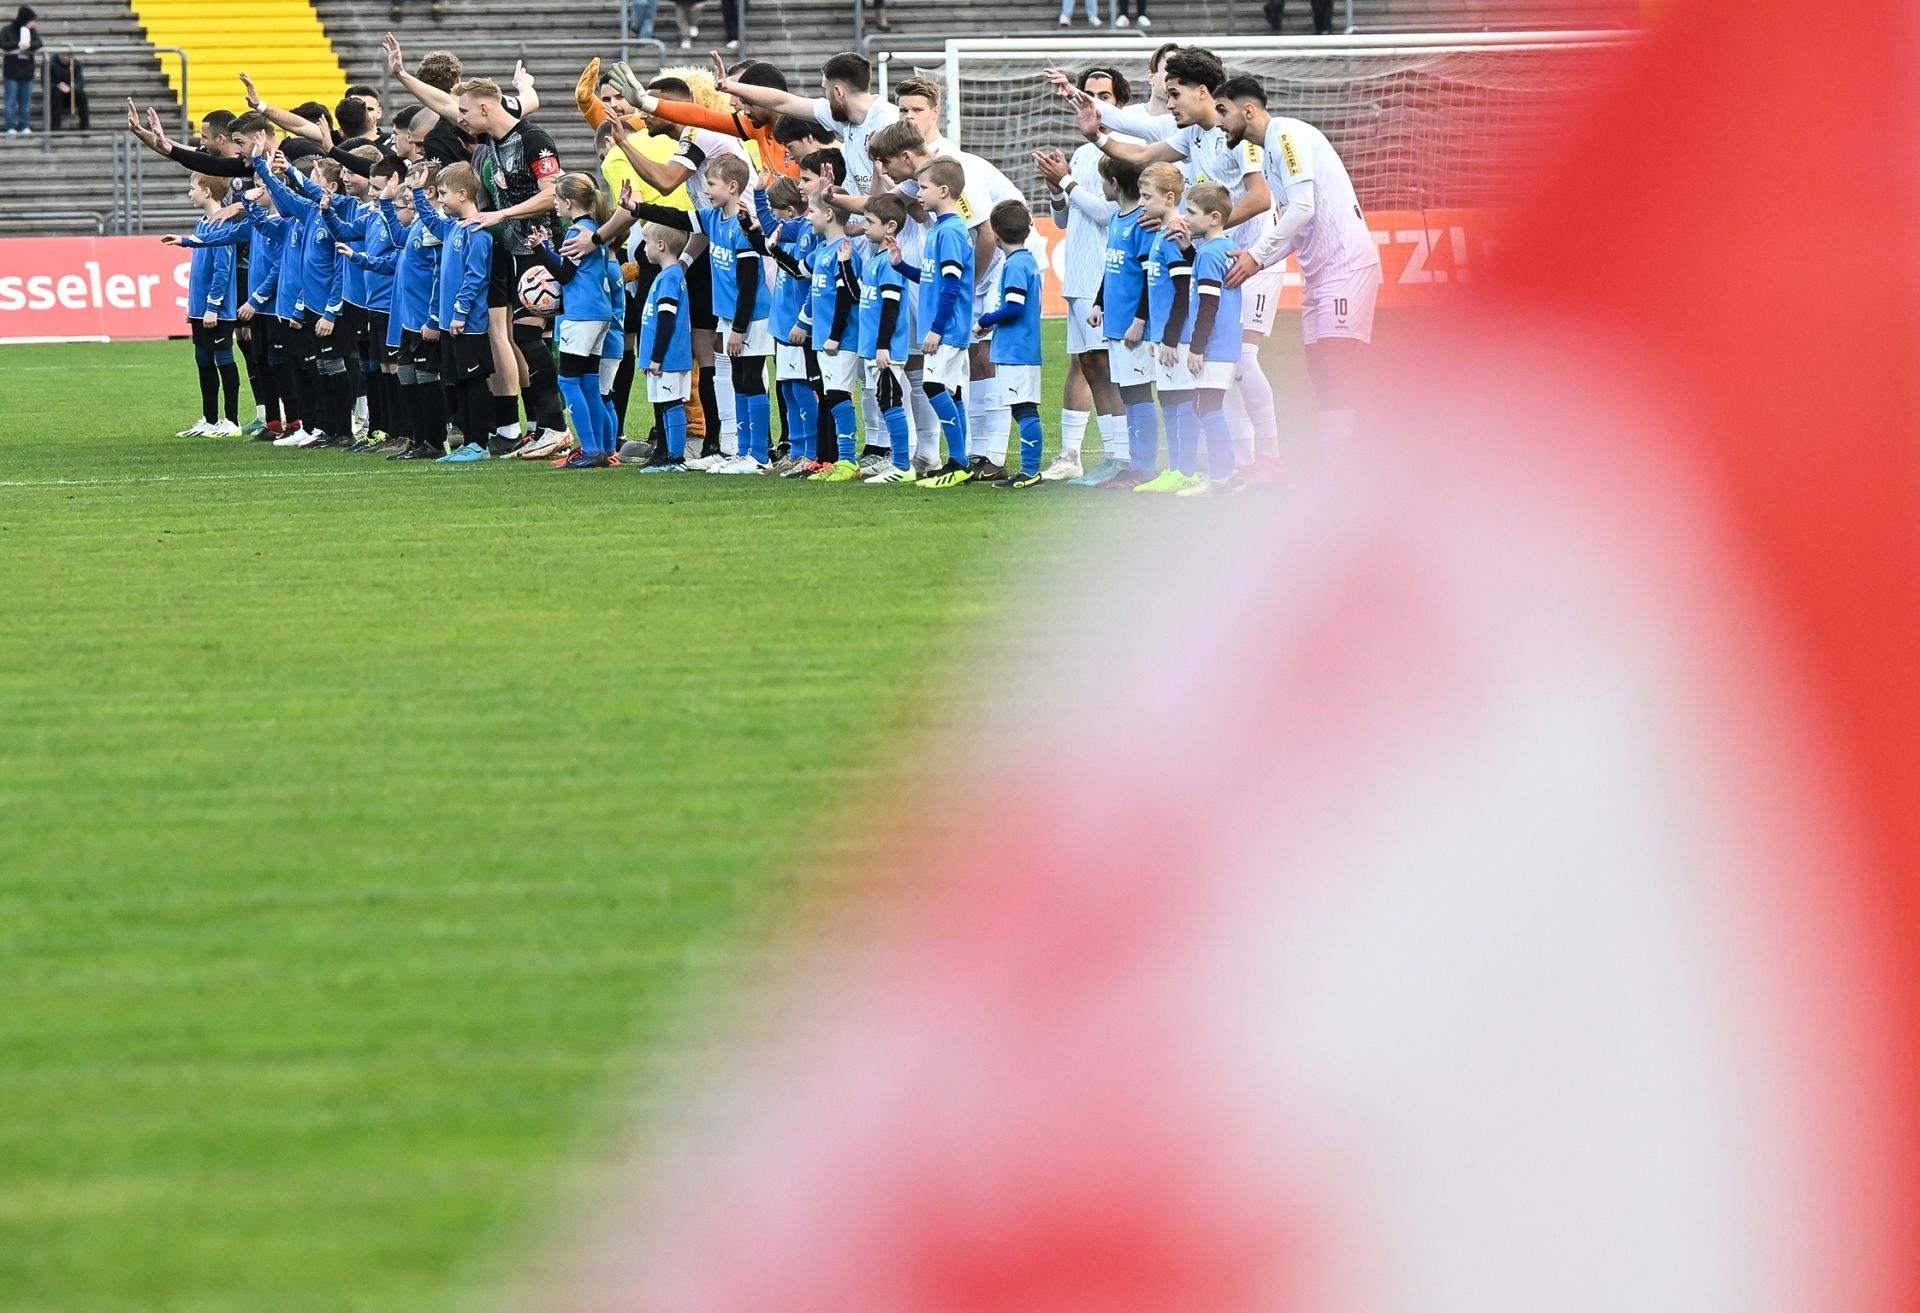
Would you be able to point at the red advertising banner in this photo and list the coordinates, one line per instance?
(91, 288)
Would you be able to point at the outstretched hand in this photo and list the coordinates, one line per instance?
(391, 44)
(253, 97)
(719, 70)
(626, 193)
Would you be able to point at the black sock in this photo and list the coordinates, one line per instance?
(209, 394)
(230, 389)
(710, 408)
(506, 414)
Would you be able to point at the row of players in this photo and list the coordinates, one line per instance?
(1165, 258)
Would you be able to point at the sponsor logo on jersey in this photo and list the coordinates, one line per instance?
(966, 210)
(1290, 153)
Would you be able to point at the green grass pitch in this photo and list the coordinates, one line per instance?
(364, 821)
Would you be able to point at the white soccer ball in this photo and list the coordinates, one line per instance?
(539, 291)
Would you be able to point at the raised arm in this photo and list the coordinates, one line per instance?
(1087, 115)
(780, 102)
(432, 97)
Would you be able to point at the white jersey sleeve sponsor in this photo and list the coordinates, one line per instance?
(1336, 239)
(853, 139)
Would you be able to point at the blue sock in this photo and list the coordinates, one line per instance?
(760, 411)
(803, 415)
(585, 426)
(1186, 423)
(674, 421)
(952, 424)
(609, 417)
(846, 428)
(1219, 443)
(1029, 444)
(1143, 436)
(897, 437)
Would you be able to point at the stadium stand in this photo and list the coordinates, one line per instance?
(280, 42)
(490, 35)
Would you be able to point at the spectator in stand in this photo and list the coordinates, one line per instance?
(1066, 13)
(641, 15)
(1139, 20)
(880, 23)
(395, 11)
(67, 88)
(21, 43)
(1276, 14)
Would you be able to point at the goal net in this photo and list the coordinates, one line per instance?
(1421, 121)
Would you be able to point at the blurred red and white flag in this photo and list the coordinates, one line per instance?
(1486, 884)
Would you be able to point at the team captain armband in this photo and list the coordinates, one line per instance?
(546, 166)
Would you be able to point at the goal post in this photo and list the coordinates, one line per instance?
(1423, 121)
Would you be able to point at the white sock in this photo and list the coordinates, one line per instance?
(1073, 430)
(1336, 437)
(723, 402)
(987, 420)
(1256, 395)
(921, 421)
(874, 427)
(509, 430)
(260, 413)
(1113, 436)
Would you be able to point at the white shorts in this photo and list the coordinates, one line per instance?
(759, 339)
(1018, 383)
(1260, 300)
(1130, 365)
(897, 369)
(1082, 336)
(1340, 305)
(1175, 377)
(582, 337)
(669, 386)
(789, 362)
(1216, 374)
(839, 371)
(987, 299)
(947, 367)
(609, 373)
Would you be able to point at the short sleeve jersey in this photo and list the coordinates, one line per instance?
(669, 286)
(726, 243)
(1018, 343)
(1163, 257)
(588, 295)
(790, 290)
(1126, 273)
(948, 247)
(875, 278)
(1210, 158)
(512, 170)
(1210, 265)
(853, 138)
(823, 289)
(1336, 239)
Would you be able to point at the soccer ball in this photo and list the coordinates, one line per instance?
(539, 291)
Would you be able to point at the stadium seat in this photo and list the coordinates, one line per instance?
(281, 43)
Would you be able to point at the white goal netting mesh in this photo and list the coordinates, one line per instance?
(1448, 127)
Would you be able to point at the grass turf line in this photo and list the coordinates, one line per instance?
(362, 818)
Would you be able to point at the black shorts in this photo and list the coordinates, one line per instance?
(316, 347)
(700, 293)
(351, 329)
(212, 339)
(377, 348)
(418, 352)
(503, 279)
(464, 356)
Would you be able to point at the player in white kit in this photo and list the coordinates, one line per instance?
(1081, 207)
(1320, 221)
(1200, 146)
